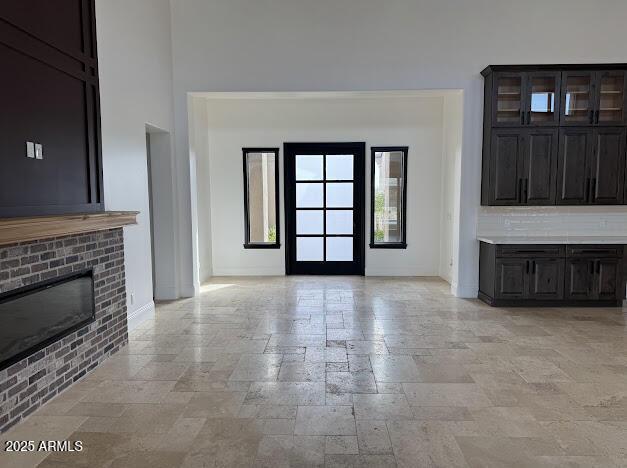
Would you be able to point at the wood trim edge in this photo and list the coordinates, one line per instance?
(15, 230)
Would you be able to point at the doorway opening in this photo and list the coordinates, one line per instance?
(161, 213)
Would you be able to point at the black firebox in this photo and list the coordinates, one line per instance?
(35, 316)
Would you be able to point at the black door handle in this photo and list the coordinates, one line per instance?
(526, 190)
(533, 267)
(586, 195)
(527, 266)
(522, 117)
(591, 116)
(598, 267)
(596, 117)
(593, 187)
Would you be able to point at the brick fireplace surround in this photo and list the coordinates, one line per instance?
(29, 383)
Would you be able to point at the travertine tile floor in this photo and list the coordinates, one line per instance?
(345, 371)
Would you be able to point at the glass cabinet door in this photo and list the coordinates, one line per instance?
(577, 98)
(611, 103)
(543, 99)
(508, 99)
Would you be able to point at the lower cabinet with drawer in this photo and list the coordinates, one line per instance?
(551, 275)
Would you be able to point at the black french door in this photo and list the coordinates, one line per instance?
(324, 203)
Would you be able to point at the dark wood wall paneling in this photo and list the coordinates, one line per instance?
(50, 95)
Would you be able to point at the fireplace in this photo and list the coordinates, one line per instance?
(35, 316)
(62, 304)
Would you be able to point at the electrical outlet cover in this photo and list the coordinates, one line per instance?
(30, 149)
(39, 151)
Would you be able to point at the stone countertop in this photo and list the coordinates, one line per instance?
(553, 239)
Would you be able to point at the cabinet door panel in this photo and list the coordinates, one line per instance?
(572, 180)
(546, 279)
(610, 104)
(578, 98)
(540, 166)
(607, 166)
(508, 108)
(511, 278)
(607, 278)
(506, 167)
(578, 282)
(543, 98)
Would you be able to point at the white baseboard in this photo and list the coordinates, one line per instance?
(257, 271)
(398, 271)
(464, 291)
(145, 312)
(165, 293)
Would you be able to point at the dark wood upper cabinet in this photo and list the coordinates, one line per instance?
(573, 184)
(607, 166)
(542, 98)
(525, 99)
(540, 148)
(523, 166)
(593, 97)
(509, 109)
(506, 167)
(611, 98)
(578, 98)
(554, 134)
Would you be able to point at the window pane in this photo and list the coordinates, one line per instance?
(339, 249)
(309, 222)
(309, 249)
(389, 179)
(309, 195)
(309, 167)
(340, 222)
(339, 167)
(340, 195)
(261, 193)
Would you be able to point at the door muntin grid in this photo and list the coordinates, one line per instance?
(324, 207)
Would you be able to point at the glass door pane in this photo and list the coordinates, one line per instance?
(324, 183)
(578, 99)
(509, 100)
(339, 249)
(542, 95)
(309, 249)
(611, 97)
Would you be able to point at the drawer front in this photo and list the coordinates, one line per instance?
(614, 251)
(530, 251)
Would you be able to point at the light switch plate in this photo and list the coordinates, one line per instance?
(30, 149)
(39, 151)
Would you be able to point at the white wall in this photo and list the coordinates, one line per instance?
(451, 157)
(379, 121)
(199, 151)
(134, 51)
(287, 45)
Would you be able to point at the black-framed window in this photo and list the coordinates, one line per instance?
(388, 197)
(261, 198)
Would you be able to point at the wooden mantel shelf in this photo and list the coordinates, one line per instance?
(13, 230)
